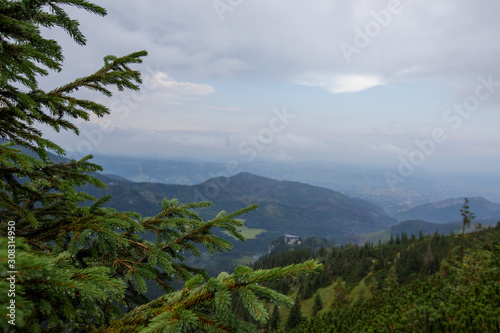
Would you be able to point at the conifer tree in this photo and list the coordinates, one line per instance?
(392, 280)
(317, 306)
(295, 315)
(82, 268)
(467, 218)
(372, 289)
(391, 240)
(340, 297)
(275, 320)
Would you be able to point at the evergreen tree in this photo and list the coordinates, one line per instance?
(392, 280)
(467, 218)
(391, 240)
(80, 266)
(306, 290)
(340, 297)
(317, 306)
(404, 237)
(372, 289)
(275, 320)
(436, 235)
(295, 315)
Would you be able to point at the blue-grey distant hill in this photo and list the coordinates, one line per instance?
(284, 206)
(449, 211)
(362, 181)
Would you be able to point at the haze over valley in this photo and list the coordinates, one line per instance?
(359, 181)
(306, 206)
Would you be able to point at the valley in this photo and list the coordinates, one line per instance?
(286, 207)
(358, 181)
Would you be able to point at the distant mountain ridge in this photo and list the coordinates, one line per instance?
(361, 181)
(316, 211)
(449, 211)
(159, 171)
(284, 206)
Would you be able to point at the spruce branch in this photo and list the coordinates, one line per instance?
(197, 300)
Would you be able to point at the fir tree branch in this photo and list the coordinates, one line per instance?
(194, 299)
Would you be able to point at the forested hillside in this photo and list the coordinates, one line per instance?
(284, 206)
(410, 284)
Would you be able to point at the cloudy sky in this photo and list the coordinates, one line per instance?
(374, 82)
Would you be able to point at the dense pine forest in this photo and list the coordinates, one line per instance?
(409, 284)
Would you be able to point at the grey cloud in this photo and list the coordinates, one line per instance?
(287, 39)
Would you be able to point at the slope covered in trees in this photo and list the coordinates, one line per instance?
(407, 284)
(285, 206)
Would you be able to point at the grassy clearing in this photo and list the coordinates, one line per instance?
(374, 237)
(306, 306)
(326, 295)
(245, 261)
(249, 233)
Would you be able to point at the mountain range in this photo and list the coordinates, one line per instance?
(367, 182)
(449, 211)
(289, 207)
(284, 206)
(306, 208)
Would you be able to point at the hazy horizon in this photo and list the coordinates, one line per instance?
(403, 85)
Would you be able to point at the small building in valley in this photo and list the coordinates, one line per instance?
(291, 239)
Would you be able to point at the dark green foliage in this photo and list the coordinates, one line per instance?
(340, 297)
(81, 265)
(208, 305)
(414, 227)
(465, 297)
(305, 290)
(451, 295)
(307, 245)
(275, 320)
(25, 56)
(411, 259)
(317, 306)
(392, 280)
(284, 206)
(294, 317)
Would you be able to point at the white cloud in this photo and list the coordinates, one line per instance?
(344, 83)
(182, 89)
